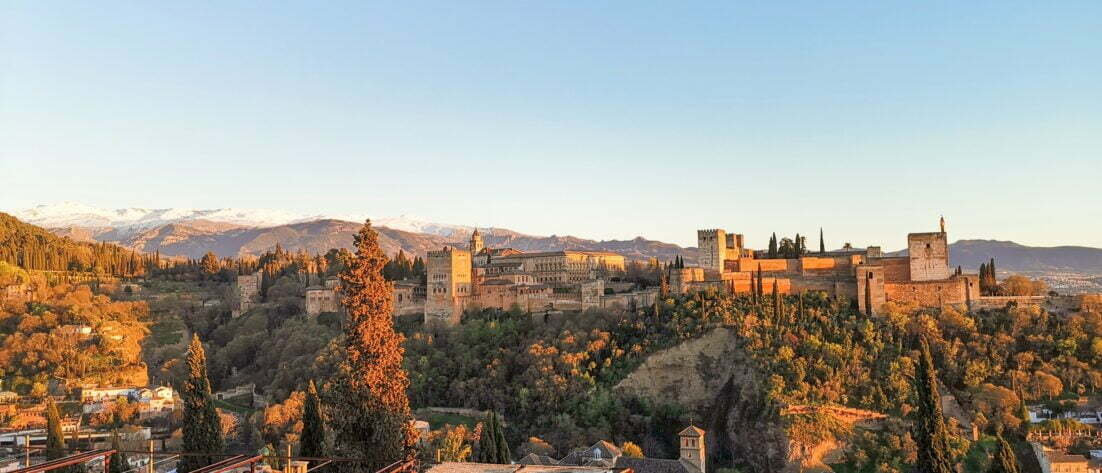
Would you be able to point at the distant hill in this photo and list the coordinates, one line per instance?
(194, 238)
(32, 247)
(1014, 257)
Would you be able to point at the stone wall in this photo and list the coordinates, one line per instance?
(896, 269)
(999, 302)
(928, 293)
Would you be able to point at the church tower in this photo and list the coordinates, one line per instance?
(692, 447)
(476, 242)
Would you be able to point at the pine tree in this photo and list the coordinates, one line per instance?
(119, 463)
(368, 407)
(55, 441)
(313, 425)
(202, 426)
(822, 243)
(1004, 461)
(209, 264)
(930, 431)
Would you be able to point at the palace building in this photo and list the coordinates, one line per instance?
(504, 277)
(922, 277)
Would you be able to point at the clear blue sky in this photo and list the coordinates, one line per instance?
(598, 119)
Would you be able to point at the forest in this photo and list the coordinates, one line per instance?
(554, 380)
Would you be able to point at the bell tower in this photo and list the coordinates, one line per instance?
(692, 447)
(476, 242)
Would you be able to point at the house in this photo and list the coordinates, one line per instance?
(90, 394)
(1053, 461)
(7, 397)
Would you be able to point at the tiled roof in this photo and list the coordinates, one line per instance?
(654, 465)
(691, 430)
(454, 467)
(533, 459)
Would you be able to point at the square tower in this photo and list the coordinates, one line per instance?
(449, 285)
(929, 255)
(713, 248)
(692, 447)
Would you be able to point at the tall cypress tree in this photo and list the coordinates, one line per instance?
(492, 447)
(761, 285)
(313, 425)
(202, 430)
(487, 441)
(930, 431)
(776, 302)
(503, 454)
(773, 246)
(1004, 461)
(119, 463)
(368, 407)
(822, 243)
(55, 441)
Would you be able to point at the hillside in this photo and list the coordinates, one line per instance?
(31, 247)
(194, 238)
(1012, 256)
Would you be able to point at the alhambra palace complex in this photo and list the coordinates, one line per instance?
(922, 277)
(569, 280)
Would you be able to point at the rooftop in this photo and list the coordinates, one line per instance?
(465, 467)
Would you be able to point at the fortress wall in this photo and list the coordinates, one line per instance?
(928, 293)
(810, 263)
(896, 269)
(767, 265)
(998, 302)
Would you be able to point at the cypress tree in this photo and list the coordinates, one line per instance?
(773, 246)
(761, 285)
(1004, 461)
(930, 431)
(1023, 412)
(487, 441)
(313, 425)
(753, 288)
(796, 246)
(776, 302)
(501, 446)
(119, 463)
(202, 430)
(55, 441)
(822, 243)
(368, 407)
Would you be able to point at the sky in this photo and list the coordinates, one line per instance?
(597, 119)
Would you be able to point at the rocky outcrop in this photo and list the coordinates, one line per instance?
(714, 377)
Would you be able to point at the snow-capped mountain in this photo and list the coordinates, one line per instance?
(128, 220)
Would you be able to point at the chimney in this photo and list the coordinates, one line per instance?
(692, 447)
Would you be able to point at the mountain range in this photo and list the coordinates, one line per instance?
(237, 232)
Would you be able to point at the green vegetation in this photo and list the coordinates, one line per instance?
(554, 380)
(34, 248)
(202, 426)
